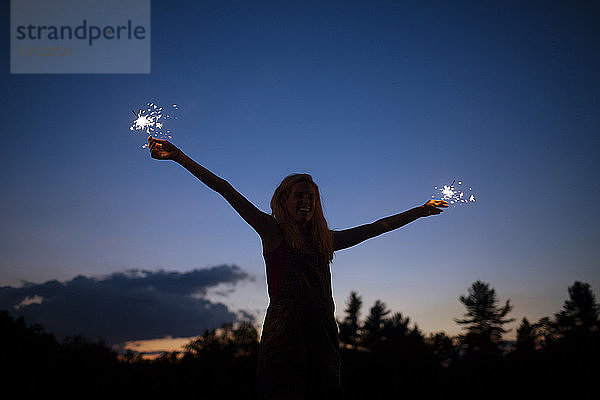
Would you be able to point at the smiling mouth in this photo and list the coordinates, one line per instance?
(304, 209)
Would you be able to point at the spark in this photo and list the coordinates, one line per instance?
(448, 192)
(454, 194)
(152, 122)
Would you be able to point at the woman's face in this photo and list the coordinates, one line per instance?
(300, 203)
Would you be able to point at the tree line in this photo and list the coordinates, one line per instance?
(383, 354)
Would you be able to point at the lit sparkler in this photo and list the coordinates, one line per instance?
(152, 121)
(454, 194)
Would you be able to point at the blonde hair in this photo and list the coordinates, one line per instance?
(320, 235)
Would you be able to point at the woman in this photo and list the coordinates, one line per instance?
(299, 354)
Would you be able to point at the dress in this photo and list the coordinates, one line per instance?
(299, 351)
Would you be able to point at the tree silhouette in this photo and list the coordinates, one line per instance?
(226, 360)
(374, 324)
(349, 327)
(579, 314)
(573, 351)
(563, 350)
(238, 341)
(525, 366)
(547, 332)
(245, 339)
(484, 318)
(397, 324)
(442, 347)
(526, 337)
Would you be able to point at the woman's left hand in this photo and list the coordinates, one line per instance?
(432, 207)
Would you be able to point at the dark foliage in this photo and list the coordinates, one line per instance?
(349, 327)
(384, 357)
(483, 321)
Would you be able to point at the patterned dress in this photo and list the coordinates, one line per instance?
(299, 350)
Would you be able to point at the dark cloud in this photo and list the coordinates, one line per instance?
(131, 305)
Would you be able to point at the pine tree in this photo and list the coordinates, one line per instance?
(579, 314)
(349, 328)
(397, 325)
(373, 327)
(526, 337)
(484, 318)
(442, 347)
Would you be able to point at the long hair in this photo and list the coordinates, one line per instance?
(320, 235)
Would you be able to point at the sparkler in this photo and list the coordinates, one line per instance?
(455, 195)
(151, 121)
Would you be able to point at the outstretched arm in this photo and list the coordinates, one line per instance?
(353, 236)
(263, 223)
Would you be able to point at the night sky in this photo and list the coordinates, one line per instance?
(378, 102)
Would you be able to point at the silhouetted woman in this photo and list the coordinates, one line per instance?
(299, 354)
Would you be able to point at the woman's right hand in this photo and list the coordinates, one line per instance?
(162, 149)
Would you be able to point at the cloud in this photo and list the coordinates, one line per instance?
(130, 305)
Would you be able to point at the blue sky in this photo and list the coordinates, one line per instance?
(379, 102)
